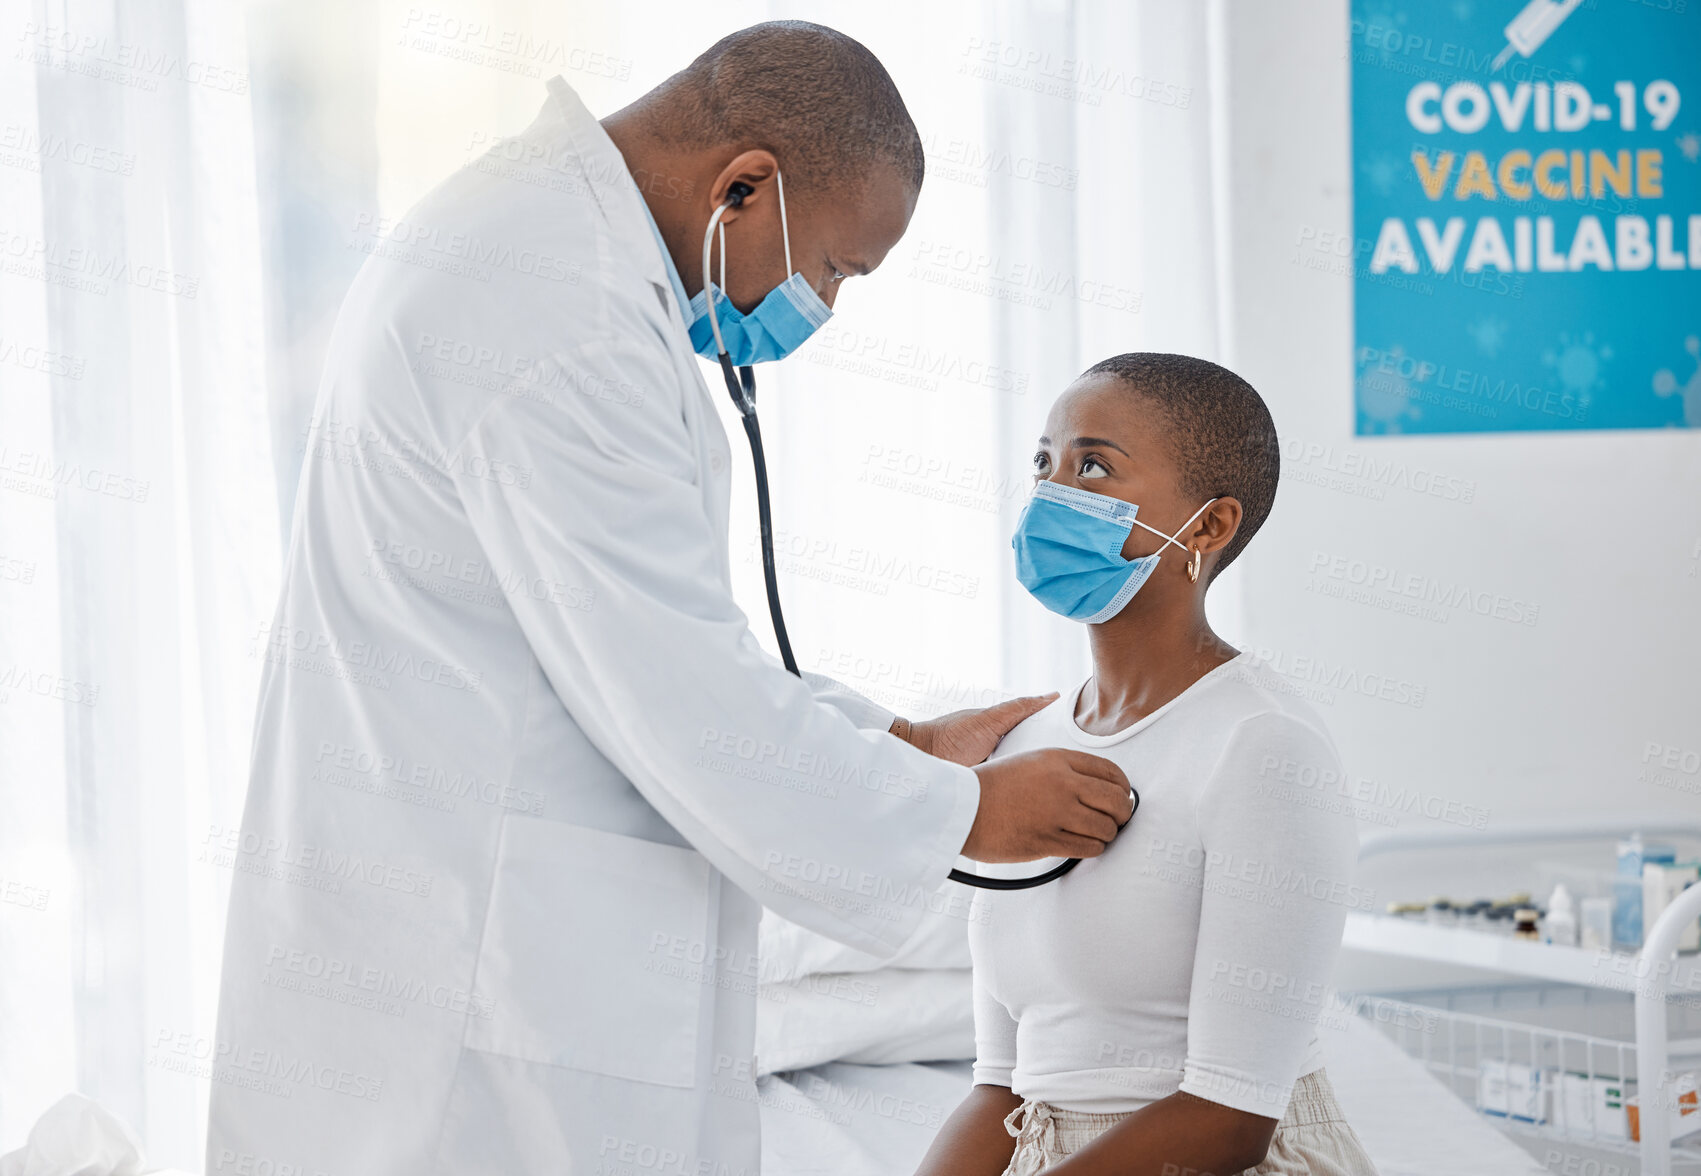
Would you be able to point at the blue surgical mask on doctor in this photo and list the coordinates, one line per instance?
(790, 313)
(1069, 551)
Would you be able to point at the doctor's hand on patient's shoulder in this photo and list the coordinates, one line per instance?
(1048, 803)
(967, 737)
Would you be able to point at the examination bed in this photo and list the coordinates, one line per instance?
(863, 1060)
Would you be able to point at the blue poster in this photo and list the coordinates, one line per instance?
(1526, 247)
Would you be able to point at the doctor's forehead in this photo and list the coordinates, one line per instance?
(862, 227)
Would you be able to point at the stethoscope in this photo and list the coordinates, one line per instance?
(741, 385)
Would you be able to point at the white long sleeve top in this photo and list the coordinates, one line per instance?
(1194, 954)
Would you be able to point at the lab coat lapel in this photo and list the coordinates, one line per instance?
(629, 237)
(617, 197)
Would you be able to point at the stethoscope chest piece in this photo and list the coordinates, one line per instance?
(1051, 875)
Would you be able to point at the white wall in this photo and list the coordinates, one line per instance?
(1203, 144)
(1600, 530)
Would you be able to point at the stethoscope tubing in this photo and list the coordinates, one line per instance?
(742, 388)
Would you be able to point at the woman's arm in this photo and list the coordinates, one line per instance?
(973, 1141)
(1181, 1133)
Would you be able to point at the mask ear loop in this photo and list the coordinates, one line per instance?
(785, 229)
(708, 249)
(1178, 530)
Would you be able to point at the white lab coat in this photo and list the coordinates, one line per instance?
(521, 773)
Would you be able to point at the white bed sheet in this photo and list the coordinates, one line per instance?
(940, 940)
(842, 1119)
(879, 1018)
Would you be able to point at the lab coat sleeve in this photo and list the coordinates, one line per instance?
(995, 1037)
(1278, 880)
(859, 709)
(842, 831)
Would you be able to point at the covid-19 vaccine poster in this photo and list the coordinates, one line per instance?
(1526, 214)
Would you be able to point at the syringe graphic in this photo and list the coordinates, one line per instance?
(1533, 26)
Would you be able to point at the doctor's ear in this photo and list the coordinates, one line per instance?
(745, 176)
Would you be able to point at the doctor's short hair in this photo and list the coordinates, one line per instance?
(819, 100)
(1223, 438)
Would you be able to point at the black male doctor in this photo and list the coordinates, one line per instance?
(522, 777)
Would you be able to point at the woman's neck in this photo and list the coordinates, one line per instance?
(1144, 659)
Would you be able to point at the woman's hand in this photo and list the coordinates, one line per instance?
(967, 737)
(1181, 1133)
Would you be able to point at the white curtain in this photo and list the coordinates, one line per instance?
(138, 540)
(1069, 215)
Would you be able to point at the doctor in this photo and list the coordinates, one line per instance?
(522, 776)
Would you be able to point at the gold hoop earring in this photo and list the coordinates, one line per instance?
(1193, 565)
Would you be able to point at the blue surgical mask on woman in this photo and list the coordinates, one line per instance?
(1069, 551)
(790, 313)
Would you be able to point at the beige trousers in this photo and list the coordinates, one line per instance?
(1312, 1138)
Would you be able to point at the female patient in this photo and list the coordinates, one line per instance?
(1154, 1011)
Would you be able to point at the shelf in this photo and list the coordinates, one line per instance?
(1614, 971)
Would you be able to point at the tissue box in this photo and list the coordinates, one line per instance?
(1491, 1088)
(1585, 1107)
(1512, 1090)
(1526, 1094)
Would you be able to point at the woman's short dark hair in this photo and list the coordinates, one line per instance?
(1223, 438)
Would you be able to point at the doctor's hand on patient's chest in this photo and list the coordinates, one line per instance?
(967, 737)
(1055, 802)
